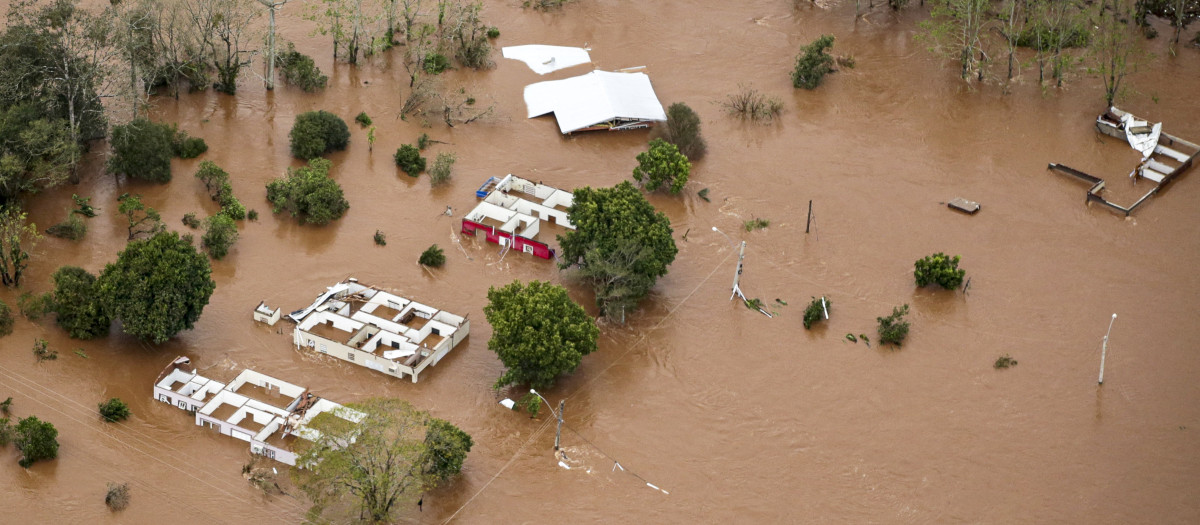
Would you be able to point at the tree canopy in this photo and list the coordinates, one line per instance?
(538, 332)
(142, 150)
(662, 166)
(683, 130)
(17, 238)
(309, 193)
(157, 287)
(219, 235)
(617, 224)
(76, 304)
(813, 63)
(393, 454)
(36, 439)
(316, 133)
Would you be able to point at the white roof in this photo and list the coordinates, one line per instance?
(594, 98)
(544, 59)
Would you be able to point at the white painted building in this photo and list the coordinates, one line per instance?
(268, 413)
(377, 329)
(512, 212)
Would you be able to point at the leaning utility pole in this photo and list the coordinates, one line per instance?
(558, 433)
(737, 276)
(1104, 348)
(271, 6)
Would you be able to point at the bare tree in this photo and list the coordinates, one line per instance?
(955, 28)
(1114, 51)
(224, 29)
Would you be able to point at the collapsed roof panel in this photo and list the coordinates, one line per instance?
(597, 100)
(545, 59)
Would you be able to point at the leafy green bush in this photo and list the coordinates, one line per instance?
(423, 141)
(816, 311)
(43, 352)
(756, 224)
(363, 119)
(410, 161)
(219, 236)
(493, 32)
(439, 174)
(114, 410)
(380, 238)
(33, 305)
(432, 256)
(37, 440)
(308, 192)
(538, 332)
(142, 150)
(6, 319)
(1004, 361)
(662, 166)
(71, 229)
(893, 328)
(252, 215)
(186, 147)
(446, 446)
(941, 269)
(813, 63)
(436, 63)
(300, 70)
(117, 497)
(683, 130)
(83, 206)
(316, 133)
(190, 220)
(77, 304)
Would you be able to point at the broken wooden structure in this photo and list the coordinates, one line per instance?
(1165, 156)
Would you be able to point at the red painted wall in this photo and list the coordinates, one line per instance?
(518, 243)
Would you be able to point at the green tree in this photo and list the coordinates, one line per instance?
(301, 70)
(142, 219)
(36, 150)
(308, 192)
(939, 268)
(815, 311)
(157, 287)
(683, 130)
(225, 36)
(316, 133)
(443, 164)
(1114, 51)
(446, 447)
(73, 228)
(538, 332)
(142, 150)
(662, 166)
(77, 305)
(955, 30)
(433, 256)
(610, 223)
(6, 319)
(17, 238)
(114, 410)
(377, 464)
(219, 236)
(409, 159)
(813, 63)
(37, 440)
(893, 328)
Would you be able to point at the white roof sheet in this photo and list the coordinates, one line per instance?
(594, 98)
(544, 59)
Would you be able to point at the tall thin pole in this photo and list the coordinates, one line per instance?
(809, 221)
(558, 433)
(738, 272)
(1104, 348)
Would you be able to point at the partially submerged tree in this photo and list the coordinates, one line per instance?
(683, 130)
(309, 193)
(219, 235)
(157, 287)
(433, 257)
(6, 320)
(142, 219)
(142, 150)
(538, 332)
(439, 174)
(370, 469)
(813, 63)
(17, 238)
(1114, 50)
(77, 304)
(619, 226)
(753, 105)
(893, 328)
(316, 133)
(36, 439)
(409, 160)
(662, 166)
(114, 410)
(939, 268)
(226, 36)
(955, 30)
(301, 70)
(36, 150)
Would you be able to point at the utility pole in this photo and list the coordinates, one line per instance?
(737, 276)
(558, 433)
(809, 221)
(271, 6)
(1104, 348)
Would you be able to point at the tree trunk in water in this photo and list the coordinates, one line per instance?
(271, 52)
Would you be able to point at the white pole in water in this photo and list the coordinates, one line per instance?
(823, 307)
(1104, 348)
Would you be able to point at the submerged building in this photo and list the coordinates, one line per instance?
(512, 213)
(377, 329)
(268, 413)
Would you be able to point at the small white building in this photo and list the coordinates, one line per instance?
(264, 314)
(377, 329)
(268, 413)
(512, 212)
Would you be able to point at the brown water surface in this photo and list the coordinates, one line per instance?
(739, 417)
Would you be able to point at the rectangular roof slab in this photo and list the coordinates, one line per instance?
(594, 98)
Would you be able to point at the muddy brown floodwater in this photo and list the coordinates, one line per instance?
(739, 417)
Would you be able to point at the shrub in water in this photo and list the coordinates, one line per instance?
(816, 311)
(813, 63)
(432, 256)
(893, 328)
(941, 269)
(316, 133)
(410, 161)
(114, 410)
